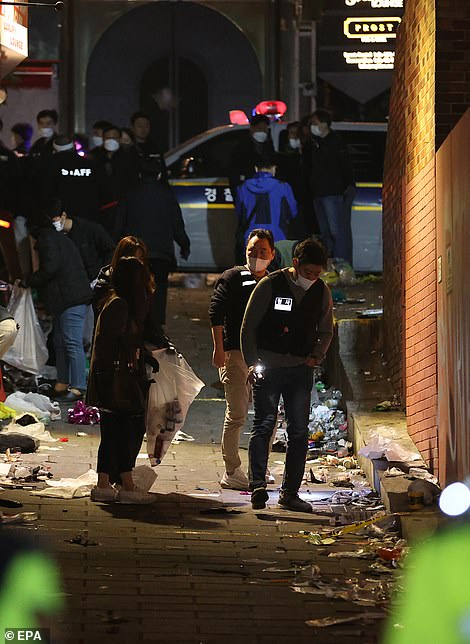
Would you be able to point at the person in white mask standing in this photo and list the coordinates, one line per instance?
(47, 129)
(255, 145)
(286, 332)
(328, 168)
(119, 170)
(231, 293)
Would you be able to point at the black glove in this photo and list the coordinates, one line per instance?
(184, 252)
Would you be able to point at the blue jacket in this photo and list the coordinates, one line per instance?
(265, 202)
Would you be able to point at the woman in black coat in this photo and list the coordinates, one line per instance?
(117, 382)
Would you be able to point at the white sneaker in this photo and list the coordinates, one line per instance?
(103, 494)
(236, 481)
(269, 477)
(136, 496)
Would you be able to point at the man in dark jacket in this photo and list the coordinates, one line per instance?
(119, 172)
(329, 168)
(255, 145)
(65, 291)
(9, 178)
(231, 294)
(152, 214)
(95, 245)
(286, 331)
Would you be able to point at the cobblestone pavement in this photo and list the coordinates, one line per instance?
(192, 566)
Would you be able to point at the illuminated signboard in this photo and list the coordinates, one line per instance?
(13, 36)
(376, 4)
(356, 43)
(371, 29)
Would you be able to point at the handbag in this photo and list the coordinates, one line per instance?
(122, 389)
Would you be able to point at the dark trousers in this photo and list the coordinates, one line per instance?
(160, 269)
(121, 439)
(295, 386)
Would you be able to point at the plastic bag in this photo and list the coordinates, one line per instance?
(29, 352)
(36, 403)
(174, 388)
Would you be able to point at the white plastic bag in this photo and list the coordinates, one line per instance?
(29, 352)
(38, 404)
(175, 387)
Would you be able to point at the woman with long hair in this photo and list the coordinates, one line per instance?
(132, 247)
(117, 382)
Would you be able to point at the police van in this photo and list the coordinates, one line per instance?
(199, 170)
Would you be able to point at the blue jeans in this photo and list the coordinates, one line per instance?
(295, 386)
(334, 220)
(68, 344)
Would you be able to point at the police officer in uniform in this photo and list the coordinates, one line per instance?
(228, 302)
(286, 331)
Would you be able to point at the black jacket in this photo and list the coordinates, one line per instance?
(9, 180)
(228, 303)
(75, 180)
(118, 173)
(152, 213)
(327, 165)
(245, 156)
(95, 245)
(61, 278)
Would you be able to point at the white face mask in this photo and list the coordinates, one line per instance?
(260, 137)
(97, 141)
(258, 265)
(294, 143)
(315, 130)
(46, 132)
(303, 282)
(111, 145)
(58, 225)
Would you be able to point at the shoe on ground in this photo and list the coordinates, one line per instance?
(259, 498)
(236, 481)
(135, 497)
(269, 477)
(67, 396)
(103, 494)
(294, 502)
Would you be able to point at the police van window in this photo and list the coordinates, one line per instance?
(211, 158)
(367, 150)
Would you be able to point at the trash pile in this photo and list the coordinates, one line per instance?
(328, 425)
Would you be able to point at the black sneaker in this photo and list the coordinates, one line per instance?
(259, 498)
(294, 502)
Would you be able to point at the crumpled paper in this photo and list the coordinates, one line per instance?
(81, 414)
(70, 488)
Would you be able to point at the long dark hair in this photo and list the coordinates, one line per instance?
(130, 283)
(128, 247)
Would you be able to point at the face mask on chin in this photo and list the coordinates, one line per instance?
(260, 137)
(258, 265)
(46, 132)
(111, 145)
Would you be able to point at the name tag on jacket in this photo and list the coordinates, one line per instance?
(283, 304)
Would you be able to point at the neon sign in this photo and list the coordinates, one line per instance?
(371, 29)
(377, 4)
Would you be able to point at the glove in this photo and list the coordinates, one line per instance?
(184, 252)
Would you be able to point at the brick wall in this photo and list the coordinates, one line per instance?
(452, 64)
(409, 227)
